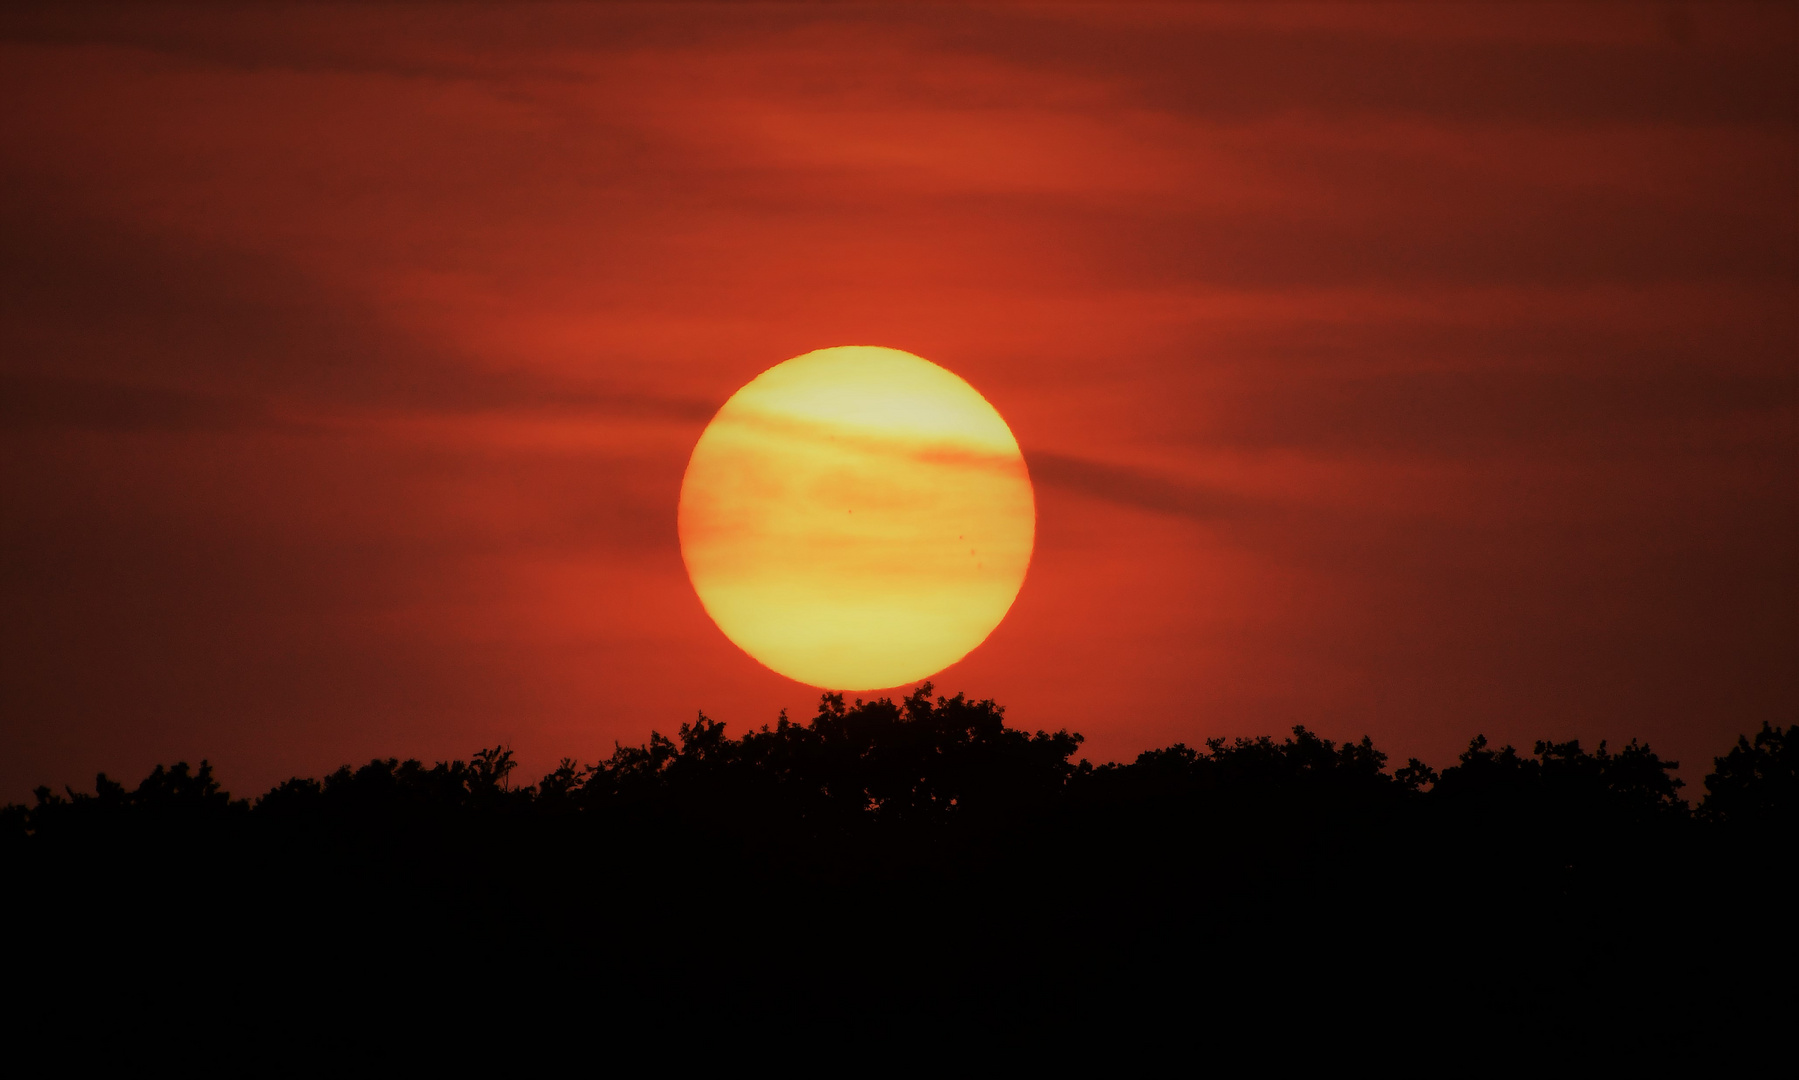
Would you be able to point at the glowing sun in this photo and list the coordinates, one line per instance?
(857, 518)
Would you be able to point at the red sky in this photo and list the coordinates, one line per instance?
(1414, 371)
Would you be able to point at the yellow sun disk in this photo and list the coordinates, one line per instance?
(857, 518)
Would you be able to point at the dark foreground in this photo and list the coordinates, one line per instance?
(912, 874)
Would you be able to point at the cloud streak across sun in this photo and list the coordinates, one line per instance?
(857, 517)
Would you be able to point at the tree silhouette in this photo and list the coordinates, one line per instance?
(1757, 784)
(919, 858)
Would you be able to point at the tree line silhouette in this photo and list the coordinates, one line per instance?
(919, 857)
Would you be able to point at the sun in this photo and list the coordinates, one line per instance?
(857, 518)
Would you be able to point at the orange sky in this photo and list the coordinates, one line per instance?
(1413, 371)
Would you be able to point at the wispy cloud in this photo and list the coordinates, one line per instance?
(1140, 489)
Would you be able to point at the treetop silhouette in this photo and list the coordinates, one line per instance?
(923, 761)
(920, 858)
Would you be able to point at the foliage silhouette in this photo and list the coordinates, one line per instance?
(918, 857)
(1757, 784)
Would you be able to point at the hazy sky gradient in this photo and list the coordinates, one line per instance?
(1413, 371)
